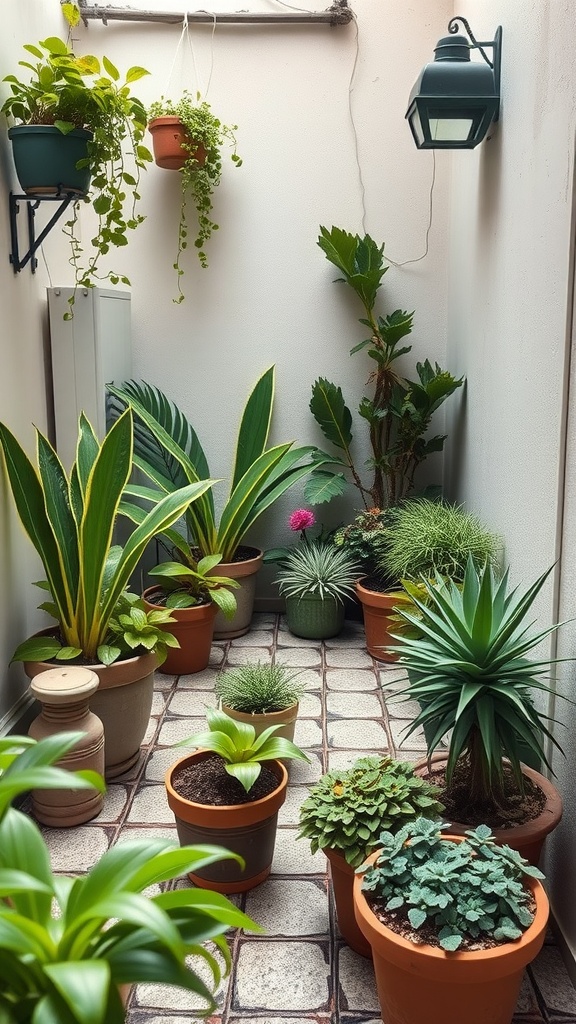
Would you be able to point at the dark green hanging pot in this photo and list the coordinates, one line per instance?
(46, 159)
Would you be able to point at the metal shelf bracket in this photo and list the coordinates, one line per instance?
(32, 204)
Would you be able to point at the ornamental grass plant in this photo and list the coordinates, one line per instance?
(259, 688)
(318, 569)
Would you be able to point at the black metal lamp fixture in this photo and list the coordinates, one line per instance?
(455, 100)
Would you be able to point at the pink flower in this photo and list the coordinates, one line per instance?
(301, 519)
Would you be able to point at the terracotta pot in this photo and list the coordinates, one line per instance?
(247, 829)
(343, 886)
(378, 609)
(168, 135)
(426, 985)
(245, 573)
(313, 617)
(529, 838)
(285, 718)
(193, 629)
(123, 702)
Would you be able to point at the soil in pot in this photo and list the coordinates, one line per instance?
(208, 782)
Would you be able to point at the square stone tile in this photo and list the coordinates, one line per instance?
(292, 856)
(169, 997)
(264, 620)
(307, 733)
(163, 681)
(75, 849)
(130, 832)
(204, 680)
(353, 705)
(289, 907)
(305, 772)
(136, 1016)
(357, 734)
(348, 657)
(249, 655)
(217, 653)
(175, 730)
(552, 981)
(160, 761)
(309, 679)
(352, 635)
(150, 807)
(255, 638)
(150, 733)
(301, 657)
(351, 680)
(192, 703)
(310, 706)
(357, 984)
(158, 703)
(527, 1002)
(341, 760)
(281, 976)
(392, 677)
(400, 708)
(416, 740)
(115, 801)
(289, 813)
(288, 639)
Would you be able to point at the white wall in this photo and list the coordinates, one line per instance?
(508, 308)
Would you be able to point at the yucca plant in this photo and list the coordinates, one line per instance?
(70, 521)
(168, 452)
(259, 689)
(318, 569)
(468, 668)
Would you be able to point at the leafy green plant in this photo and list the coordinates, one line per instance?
(427, 537)
(70, 521)
(400, 411)
(240, 747)
(318, 570)
(365, 538)
(469, 670)
(259, 689)
(191, 584)
(202, 170)
(72, 92)
(458, 891)
(346, 811)
(67, 944)
(168, 452)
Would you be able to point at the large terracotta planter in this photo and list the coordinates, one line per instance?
(245, 573)
(343, 886)
(529, 838)
(168, 135)
(421, 984)
(248, 829)
(285, 718)
(193, 628)
(313, 617)
(123, 702)
(378, 609)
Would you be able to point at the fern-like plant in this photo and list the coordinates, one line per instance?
(318, 570)
(259, 689)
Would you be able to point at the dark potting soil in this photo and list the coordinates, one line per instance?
(208, 782)
(244, 553)
(515, 808)
(379, 584)
(159, 597)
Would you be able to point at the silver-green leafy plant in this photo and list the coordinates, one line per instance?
(67, 944)
(346, 811)
(168, 452)
(259, 689)
(426, 537)
(469, 670)
(240, 747)
(70, 520)
(192, 584)
(469, 890)
(318, 569)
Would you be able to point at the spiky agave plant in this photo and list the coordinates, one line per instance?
(320, 570)
(259, 689)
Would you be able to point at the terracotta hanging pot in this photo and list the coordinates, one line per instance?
(192, 627)
(343, 886)
(378, 609)
(248, 829)
(168, 137)
(528, 838)
(421, 984)
(244, 571)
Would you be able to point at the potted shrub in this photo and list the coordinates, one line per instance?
(261, 695)
(70, 521)
(188, 137)
(452, 923)
(76, 964)
(315, 578)
(345, 813)
(79, 129)
(470, 671)
(193, 597)
(230, 791)
(169, 453)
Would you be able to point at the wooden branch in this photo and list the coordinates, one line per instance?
(338, 14)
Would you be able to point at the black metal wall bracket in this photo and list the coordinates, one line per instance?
(32, 204)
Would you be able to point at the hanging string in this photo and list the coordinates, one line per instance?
(184, 33)
(213, 16)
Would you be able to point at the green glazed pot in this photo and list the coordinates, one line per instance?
(315, 618)
(46, 159)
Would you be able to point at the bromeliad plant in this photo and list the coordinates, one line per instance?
(67, 944)
(168, 452)
(400, 411)
(240, 747)
(346, 811)
(469, 670)
(455, 893)
(70, 521)
(191, 584)
(259, 689)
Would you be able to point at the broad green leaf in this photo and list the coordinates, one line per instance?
(330, 411)
(254, 426)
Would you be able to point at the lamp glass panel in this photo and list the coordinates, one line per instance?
(451, 129)
(417, 126)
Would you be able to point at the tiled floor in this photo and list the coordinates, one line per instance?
(300, 970)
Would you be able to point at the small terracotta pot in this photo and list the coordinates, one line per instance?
(421, 984)
(245, 573)
(343, 886)
(247, 829)
(378, 609)
(168, 135)
(529, 838)
(193, 629)
(285, 718)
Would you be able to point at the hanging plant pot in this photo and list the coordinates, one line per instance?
(193, 628)
(172, 145)
(45, 159)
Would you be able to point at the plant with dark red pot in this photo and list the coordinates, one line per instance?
(229, 792)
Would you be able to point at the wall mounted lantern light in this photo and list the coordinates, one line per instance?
(455, 100)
